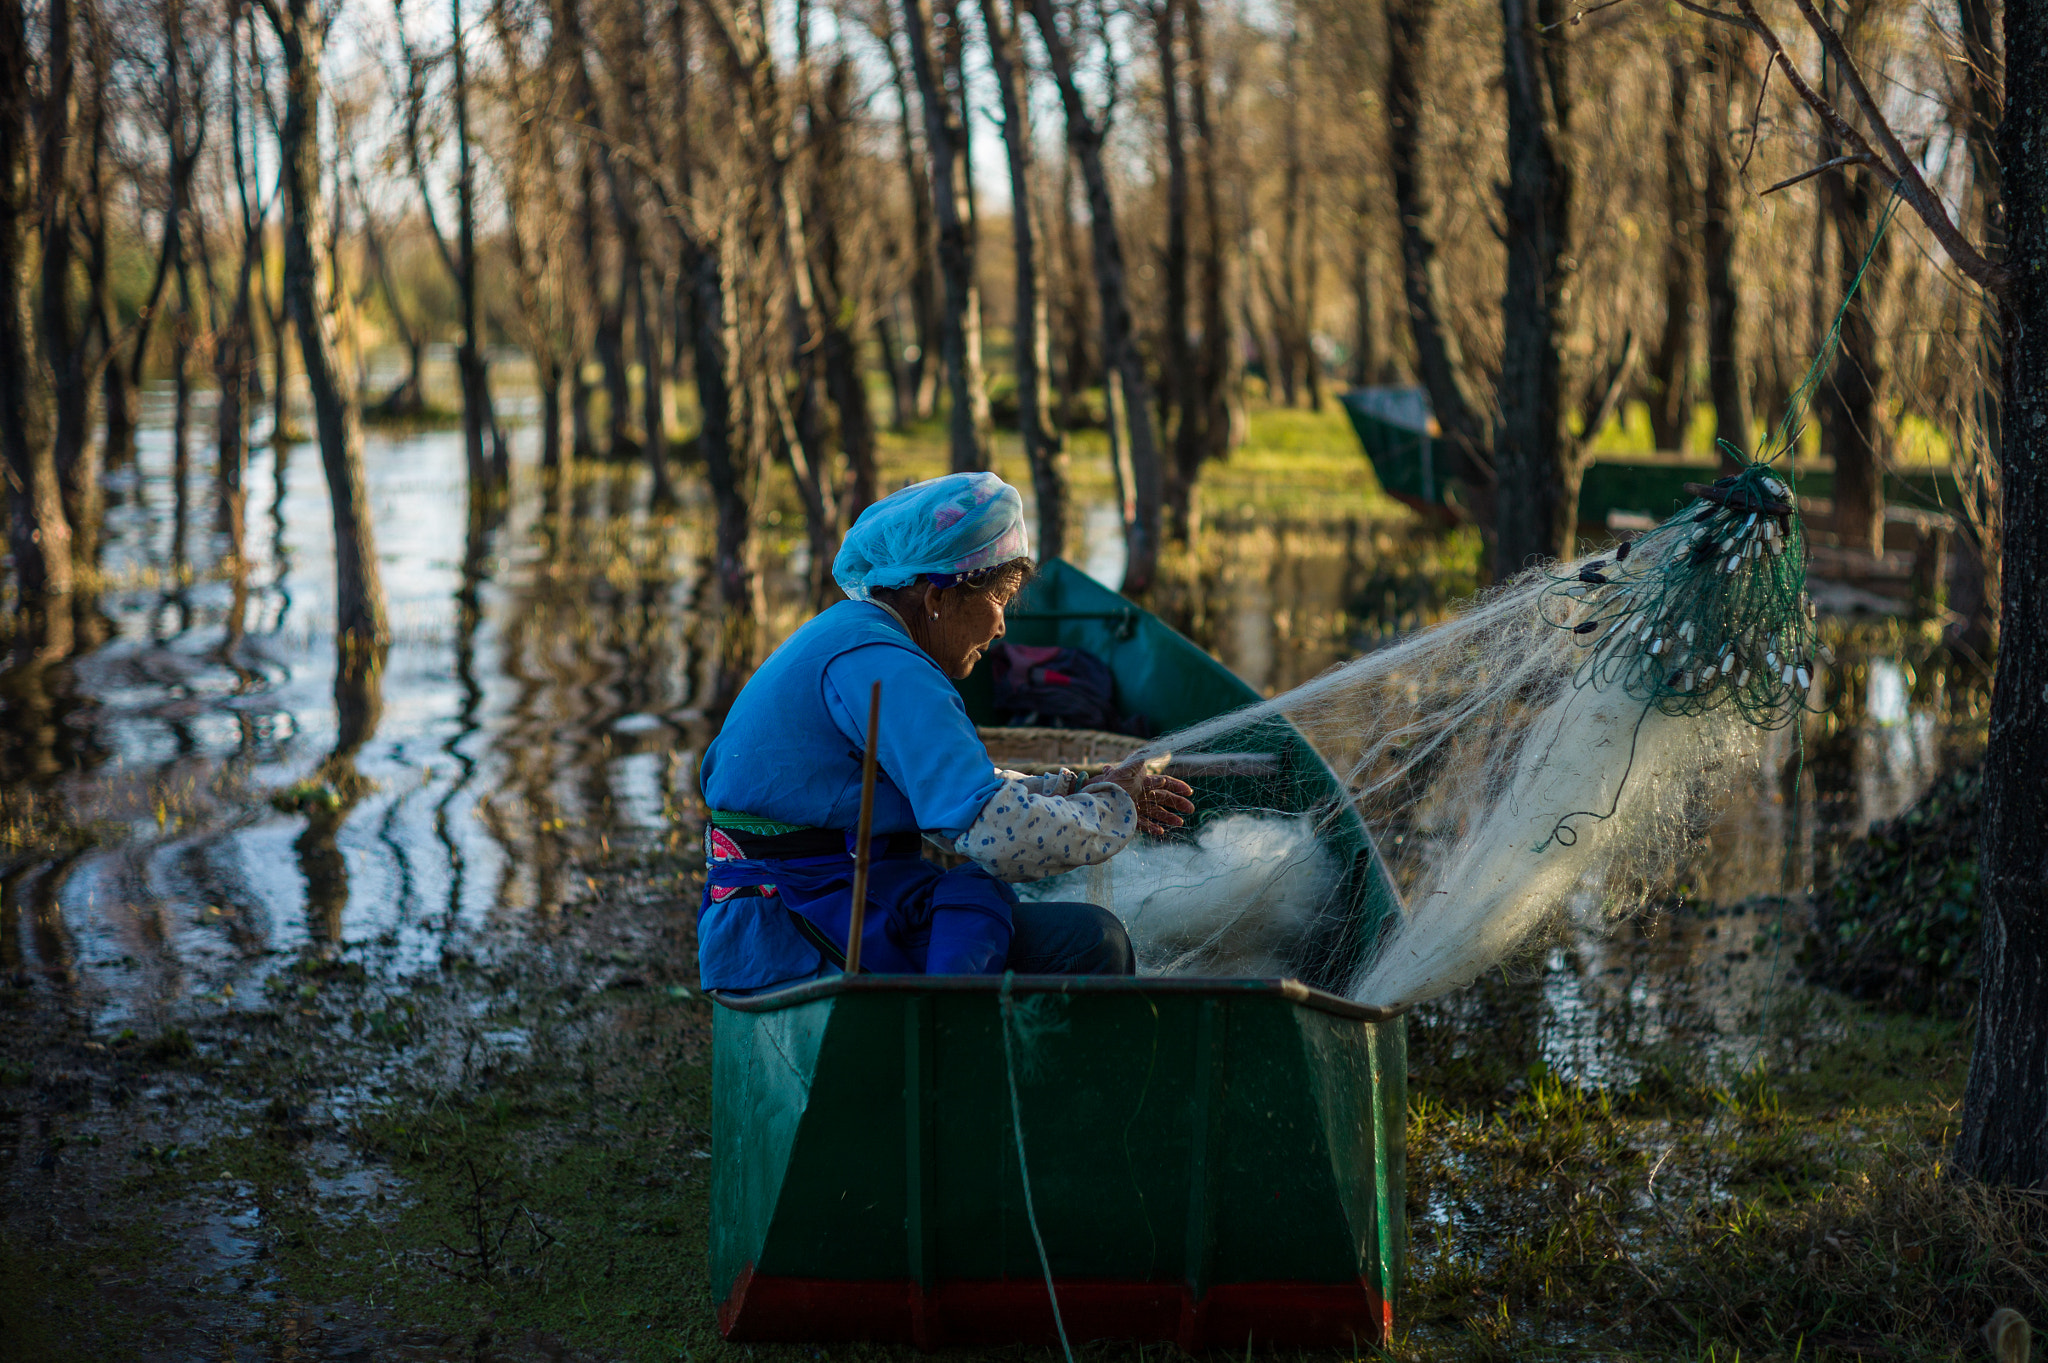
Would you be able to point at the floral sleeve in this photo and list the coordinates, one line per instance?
(1028, 832)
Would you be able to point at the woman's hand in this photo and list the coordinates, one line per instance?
(1161, 800)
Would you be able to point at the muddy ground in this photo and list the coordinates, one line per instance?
(506, 1157)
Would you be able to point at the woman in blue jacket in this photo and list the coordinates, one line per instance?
(928, 572)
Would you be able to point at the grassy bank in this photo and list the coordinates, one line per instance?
(1796, 1210)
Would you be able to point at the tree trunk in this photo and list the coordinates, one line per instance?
(39, 536)
(234, 356)
(1290, 307)
(1848, 403)
(1043, 449)
(1438, 361)
(1364, 302)
(838, 351)
(361, 628)
(925, 323)
(1536, 465)
(967, 423)
(664, 492)
(117, 395)
(1181, 386)
(1973, 589)
(1077, 368)
(62, 336)
(1217, 378)
(2006, 1106)
(1727, 375)
(620, 443)
(555, 440)
(896, 357)
(2005, 1109)
(483, 444)
(724, 469)
(1085, 136)
(282, 431)
(184, 145)
(183, 334)
(1311, 267)
(800, 435)
(1671, 361)
(85, 502)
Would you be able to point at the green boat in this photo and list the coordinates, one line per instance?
(1396, 429)
(1215, 1163)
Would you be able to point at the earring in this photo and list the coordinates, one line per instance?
(935, 615)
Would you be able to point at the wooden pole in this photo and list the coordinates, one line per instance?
(862, 835)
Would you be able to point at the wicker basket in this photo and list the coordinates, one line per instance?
(1033, 751)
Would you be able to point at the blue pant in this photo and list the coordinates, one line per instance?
(1057, 938)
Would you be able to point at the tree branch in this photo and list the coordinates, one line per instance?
(1720, 16)
(415, 97)
(1913, 188)
(1859, 159)
(1603, 396)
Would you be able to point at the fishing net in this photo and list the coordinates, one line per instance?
(1555, 750)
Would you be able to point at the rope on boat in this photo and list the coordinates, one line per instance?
(1010, 1025)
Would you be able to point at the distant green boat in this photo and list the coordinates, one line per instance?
(1397, 431)
(1215, 1163)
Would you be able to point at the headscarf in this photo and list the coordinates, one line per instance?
(943, 527)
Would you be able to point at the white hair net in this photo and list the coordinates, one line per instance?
(942, 527)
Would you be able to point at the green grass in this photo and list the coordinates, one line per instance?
(1799, 1211)
(1294, 463)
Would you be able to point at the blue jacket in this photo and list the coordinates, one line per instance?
(790, 751)
(791, 747)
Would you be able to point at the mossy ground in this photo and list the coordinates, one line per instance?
(508, 1158)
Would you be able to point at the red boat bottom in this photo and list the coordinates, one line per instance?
(1015, 1310)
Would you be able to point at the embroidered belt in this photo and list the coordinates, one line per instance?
(756, 839)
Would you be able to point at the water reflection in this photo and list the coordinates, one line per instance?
(543, 695)
(248, 803)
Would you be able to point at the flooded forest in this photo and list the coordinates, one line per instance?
(419, 420)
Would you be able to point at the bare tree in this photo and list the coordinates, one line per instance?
(945, 135)
(1670, 365)
(483, 442)
(361, 628)
(1086, 134)
(183, 113)
(234, 347)
(1043, 448)
(1439, 355)
(1727, 376)
(1534, 461)
(1217, 395)
(912, 372)
(1181, 389)
(1849, 403)
(38, 534)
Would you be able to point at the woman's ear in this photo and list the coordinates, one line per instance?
(932, 593)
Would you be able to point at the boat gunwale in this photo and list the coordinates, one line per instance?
(1292, 990)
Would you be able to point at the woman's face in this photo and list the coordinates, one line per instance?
(968, 622)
